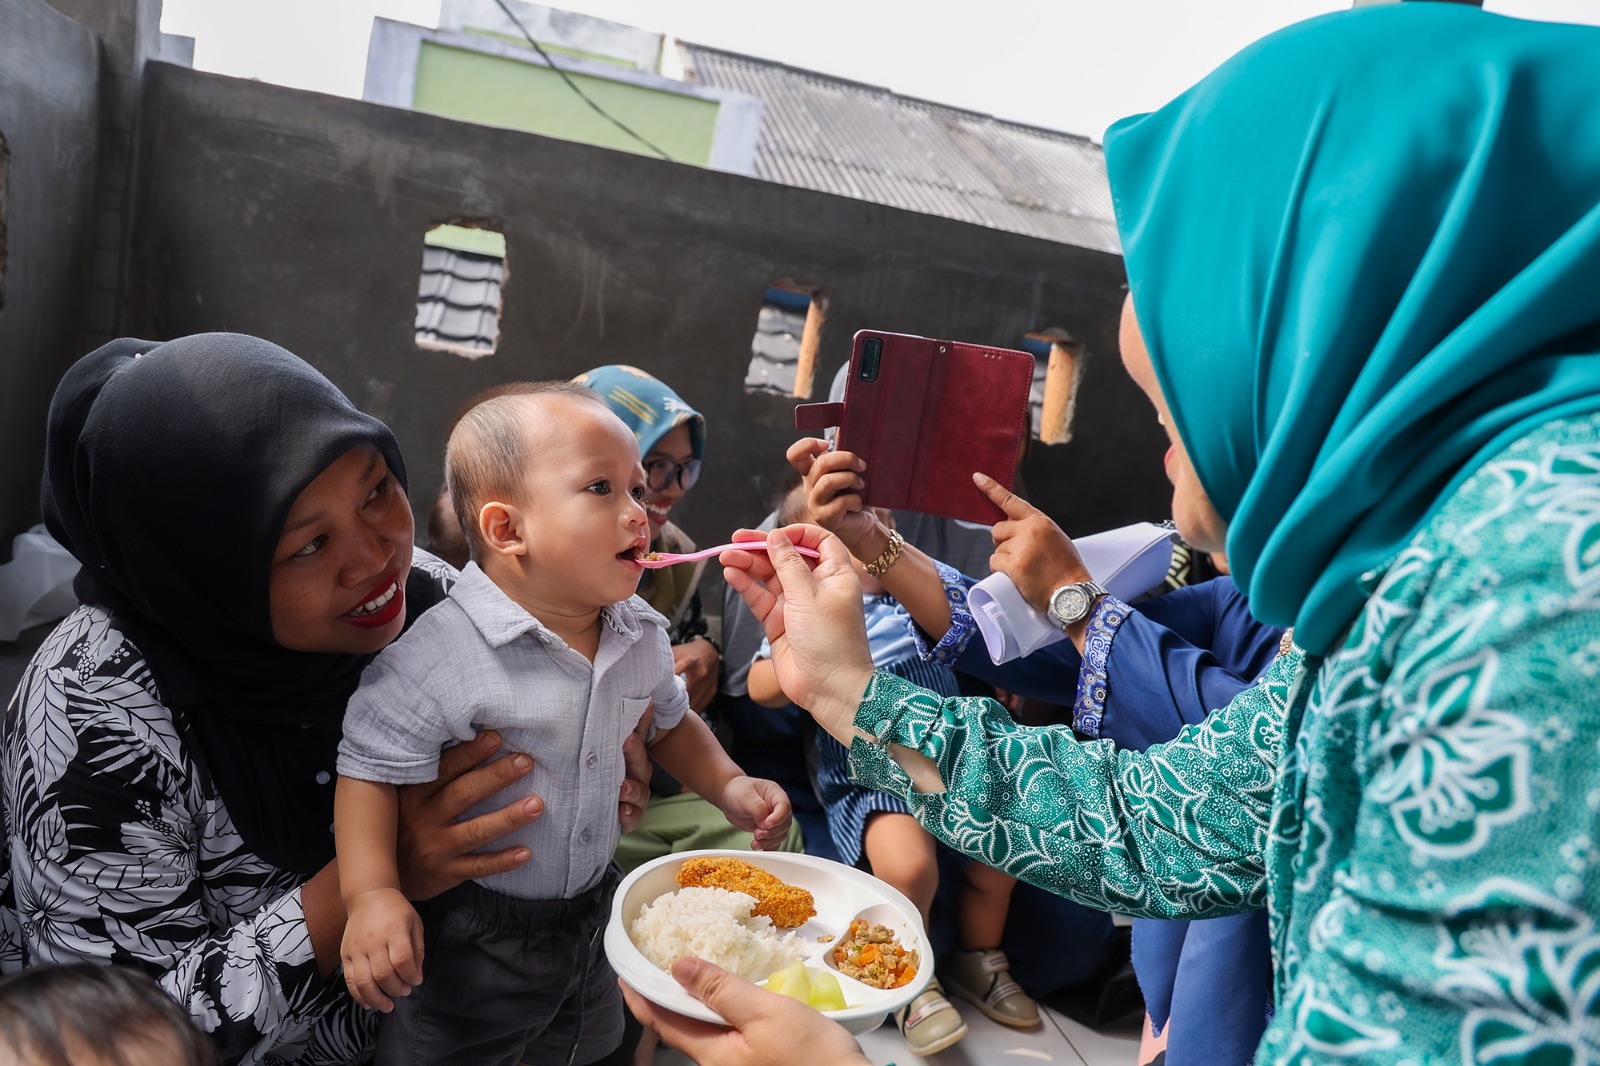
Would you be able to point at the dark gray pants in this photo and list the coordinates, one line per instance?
(509, 980)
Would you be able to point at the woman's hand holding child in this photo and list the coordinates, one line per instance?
(436, 850)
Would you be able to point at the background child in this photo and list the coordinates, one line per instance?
(92, 1015)
(543, 639)
(897, 849)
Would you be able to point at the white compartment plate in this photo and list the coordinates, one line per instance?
(841, 892)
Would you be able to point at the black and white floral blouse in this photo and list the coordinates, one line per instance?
(120, 851)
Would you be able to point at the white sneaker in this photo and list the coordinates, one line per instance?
(984, 977)
(930, 1023)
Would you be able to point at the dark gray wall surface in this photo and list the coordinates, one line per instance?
(129, 32)
(300, 218)
(49, 83)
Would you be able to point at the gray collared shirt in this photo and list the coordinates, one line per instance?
(479, 661)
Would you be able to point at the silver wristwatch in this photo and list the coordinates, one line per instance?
(1072, 603)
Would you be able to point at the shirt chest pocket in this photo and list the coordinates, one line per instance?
(635, 708)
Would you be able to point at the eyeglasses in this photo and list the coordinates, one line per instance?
(659, 473)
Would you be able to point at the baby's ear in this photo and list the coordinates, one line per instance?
(502, 528)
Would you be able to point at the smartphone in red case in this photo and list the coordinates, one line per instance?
(926, 414)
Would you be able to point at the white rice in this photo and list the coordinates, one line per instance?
(716, 925)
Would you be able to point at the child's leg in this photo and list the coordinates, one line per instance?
(901, 853)
(985, 902)
(980, 971)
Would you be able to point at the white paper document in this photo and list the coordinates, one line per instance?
(1126, 561)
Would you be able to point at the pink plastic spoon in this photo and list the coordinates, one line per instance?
(656, 560)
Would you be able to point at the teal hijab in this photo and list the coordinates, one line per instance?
(1364, 255)
(646, 404)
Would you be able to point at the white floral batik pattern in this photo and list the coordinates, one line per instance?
(119, 850)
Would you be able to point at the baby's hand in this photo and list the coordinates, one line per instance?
(382, 948)
(760, 807)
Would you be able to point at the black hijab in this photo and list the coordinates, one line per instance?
(170, 468)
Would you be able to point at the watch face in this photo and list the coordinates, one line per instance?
(1069, 604)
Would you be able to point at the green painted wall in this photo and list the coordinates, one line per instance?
(552, 49)
(504, 92)
(466, 239)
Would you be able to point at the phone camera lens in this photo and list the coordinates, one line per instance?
(871, 354)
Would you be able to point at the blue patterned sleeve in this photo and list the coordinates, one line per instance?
(1089, 707)
(1178, 831)
(962, 626)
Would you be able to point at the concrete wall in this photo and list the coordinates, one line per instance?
(130, 34)
(49, 85)
(301, 218)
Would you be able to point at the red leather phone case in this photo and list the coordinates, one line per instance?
(937, 412)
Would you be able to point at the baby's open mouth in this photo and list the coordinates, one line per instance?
(636, 554)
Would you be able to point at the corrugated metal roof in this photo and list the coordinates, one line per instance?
(458, 298)
(775, 350)
(856, 140)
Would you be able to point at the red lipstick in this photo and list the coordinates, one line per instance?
(385, 614)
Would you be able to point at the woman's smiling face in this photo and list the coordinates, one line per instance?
(339, 573)
(676, 448)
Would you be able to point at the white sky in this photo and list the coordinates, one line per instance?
(1074, 65)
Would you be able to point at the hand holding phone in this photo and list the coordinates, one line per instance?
(925, 415)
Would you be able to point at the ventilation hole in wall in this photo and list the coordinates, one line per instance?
(5, 159)
(458, 297)
(783, 353)
(1056, 369)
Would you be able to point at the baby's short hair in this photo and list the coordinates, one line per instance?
(486, 455)
(50, 1013)
(792, 507)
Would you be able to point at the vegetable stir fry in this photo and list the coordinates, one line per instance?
(871, 955)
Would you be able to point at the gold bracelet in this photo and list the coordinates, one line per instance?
(890, 554)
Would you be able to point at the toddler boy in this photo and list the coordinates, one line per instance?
(542, 639)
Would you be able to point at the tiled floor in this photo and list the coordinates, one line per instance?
(1060, 1040)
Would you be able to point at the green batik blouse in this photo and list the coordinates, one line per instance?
(1418, 810)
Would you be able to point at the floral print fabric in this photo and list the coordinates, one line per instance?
(1418, 811)
(119, 850)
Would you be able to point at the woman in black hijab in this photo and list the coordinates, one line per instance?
(168, 765)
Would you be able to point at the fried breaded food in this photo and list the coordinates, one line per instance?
(785, 904)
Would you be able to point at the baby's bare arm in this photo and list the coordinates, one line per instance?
(760, 807)
(689, 752)
(382, 948)
(366, 818)
(763, 684)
